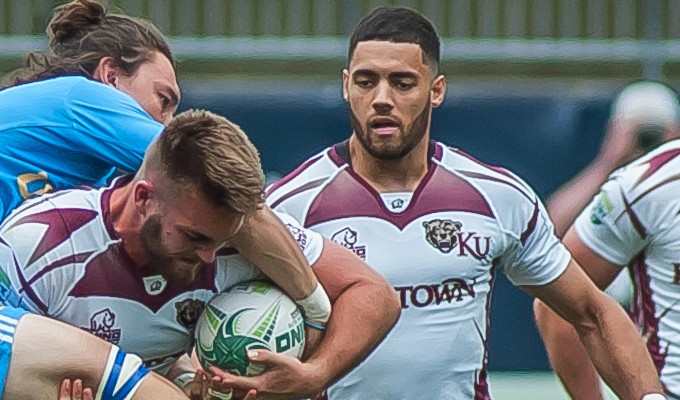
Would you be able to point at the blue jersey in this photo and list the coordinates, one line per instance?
(65, 132)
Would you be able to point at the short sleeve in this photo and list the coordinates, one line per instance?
(608, 226)
(310, 242)
(536, 257)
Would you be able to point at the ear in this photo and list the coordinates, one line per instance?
(145, 198)
(107, 72)
(438, 91)
(345, 84)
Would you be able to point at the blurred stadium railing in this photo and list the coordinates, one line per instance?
(572, 38)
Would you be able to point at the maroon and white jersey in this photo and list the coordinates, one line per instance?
(70, 264)
(440, 247)
(635, 221)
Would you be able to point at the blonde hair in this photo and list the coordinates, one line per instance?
(204, 150)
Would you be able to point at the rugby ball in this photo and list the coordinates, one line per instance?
(252, 315)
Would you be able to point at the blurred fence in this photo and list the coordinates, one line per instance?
(493, 19)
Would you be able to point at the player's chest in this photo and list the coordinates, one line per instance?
(434, 247)
(153, 334)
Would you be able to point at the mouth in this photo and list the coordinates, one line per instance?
(384, 128)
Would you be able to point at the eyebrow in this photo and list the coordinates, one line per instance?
(391, 75)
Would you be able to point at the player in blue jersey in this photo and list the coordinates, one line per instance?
(86, 107)
(91, 104)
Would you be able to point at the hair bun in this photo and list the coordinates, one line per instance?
(71, 19)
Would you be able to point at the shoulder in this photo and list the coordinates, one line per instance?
(306, 179)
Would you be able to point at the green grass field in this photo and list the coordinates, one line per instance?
(530, 385)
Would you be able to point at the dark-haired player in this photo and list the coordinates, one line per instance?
(439, 224)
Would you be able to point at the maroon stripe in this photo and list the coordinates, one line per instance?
(657, 162)
(438, 151)
(26, 288)
(644, 312)
(481, 382)
(305, 187)
(276, 185)
(634, 219)
(333, 155)
(666, 181)
(71, 259)
(106, 204)
(530, 226)
(477, 175)
(500, 170)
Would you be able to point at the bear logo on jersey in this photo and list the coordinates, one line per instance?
(101, 325)
(441, 234)
(348, 238)
(188, 311)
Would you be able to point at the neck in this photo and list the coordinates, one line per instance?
(401, 175)
(127, 223)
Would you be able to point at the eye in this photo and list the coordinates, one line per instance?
(165, 101)
(405, 85)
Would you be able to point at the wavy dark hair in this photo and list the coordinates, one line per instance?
(81, 33)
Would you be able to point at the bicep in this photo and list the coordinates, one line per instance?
(600, 271)
(338, 269)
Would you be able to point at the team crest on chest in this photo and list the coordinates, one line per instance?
(188, 311)
(446, 235)
(154, 284)
(102, 325)
(347, 237)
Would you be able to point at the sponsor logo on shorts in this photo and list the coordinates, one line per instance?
(347, 237)
(446, 236)
(434, 294)
(102, 325)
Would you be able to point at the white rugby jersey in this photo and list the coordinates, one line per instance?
(440, 247)
(68, 263)
(635, 221)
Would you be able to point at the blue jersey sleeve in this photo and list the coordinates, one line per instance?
(113, 127)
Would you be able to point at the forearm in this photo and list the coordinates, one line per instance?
(567, 355)
(267, 243)
(371, 310)
(618, 352)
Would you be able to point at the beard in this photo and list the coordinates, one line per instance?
(174, 269)
(409, 136)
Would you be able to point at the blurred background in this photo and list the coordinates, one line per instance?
(530, 86)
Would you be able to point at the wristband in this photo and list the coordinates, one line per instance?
(316, 307)
(315, 325)
(184, 379)
(653, 396)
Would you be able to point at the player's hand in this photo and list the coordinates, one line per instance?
(198, 388)
(284, 377)
(619, 146)
(75, 391)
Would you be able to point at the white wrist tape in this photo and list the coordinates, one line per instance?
(653, 396)
(184, 379)
(316, 306)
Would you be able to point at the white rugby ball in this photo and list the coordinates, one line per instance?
(252, 315)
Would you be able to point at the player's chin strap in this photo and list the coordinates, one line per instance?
(122, 376)
(317, 308)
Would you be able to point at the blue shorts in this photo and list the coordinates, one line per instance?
(9, 319)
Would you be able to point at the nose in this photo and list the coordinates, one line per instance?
(206, 255)
(382, 102)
